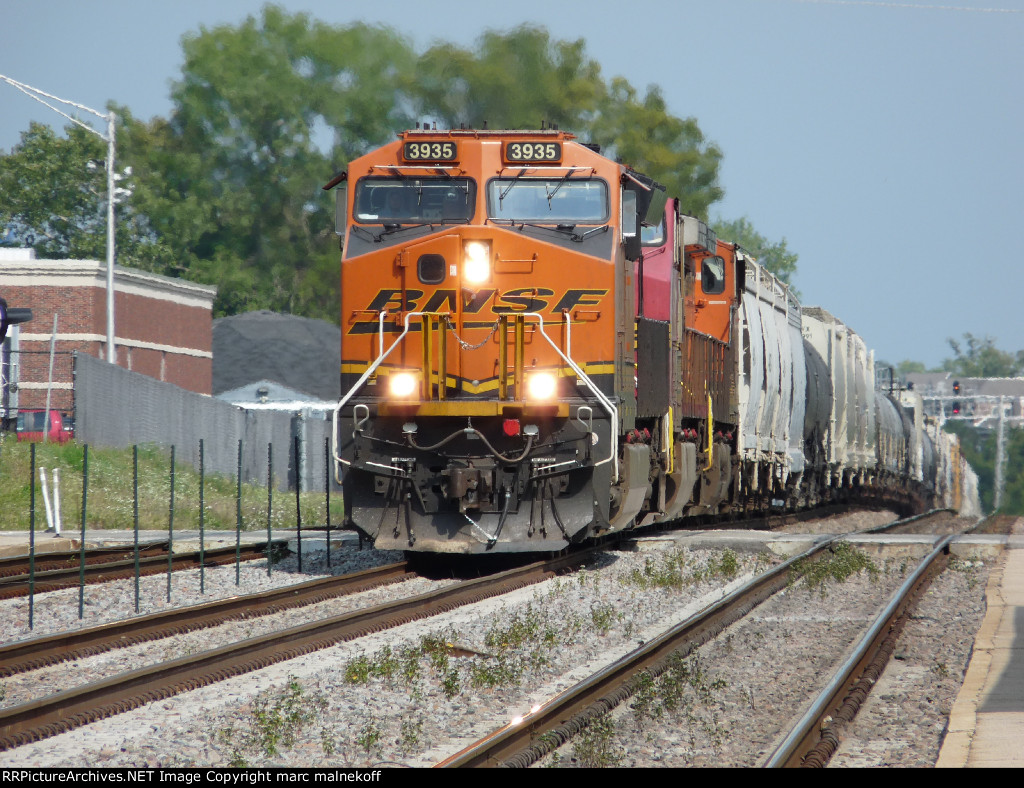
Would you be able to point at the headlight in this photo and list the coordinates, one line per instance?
(402, 384)
(541, 385)
(476, 263)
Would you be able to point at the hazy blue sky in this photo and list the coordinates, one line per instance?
(883, 140)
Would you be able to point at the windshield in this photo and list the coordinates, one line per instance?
(653, 234)
(548, 200)
(414, 200)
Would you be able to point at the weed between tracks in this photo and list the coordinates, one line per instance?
(969, 569)
(400, 700)
(683, 698)
(273, 724)
(674, 570)
(842, 562)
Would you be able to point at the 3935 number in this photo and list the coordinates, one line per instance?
(429, 151)
(533, 151)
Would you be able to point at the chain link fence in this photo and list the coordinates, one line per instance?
(118, 408)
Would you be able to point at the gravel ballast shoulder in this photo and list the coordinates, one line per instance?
(415, 694)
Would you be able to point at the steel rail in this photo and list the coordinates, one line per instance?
(25, 655)
(72, 708)
(151, 563)
(815, 737)
(526, 740)
(61, 559)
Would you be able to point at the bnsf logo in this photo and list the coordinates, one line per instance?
(523, 299)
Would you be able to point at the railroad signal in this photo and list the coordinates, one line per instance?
(10, 316)
(956, 393)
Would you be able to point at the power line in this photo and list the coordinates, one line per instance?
(917, 6)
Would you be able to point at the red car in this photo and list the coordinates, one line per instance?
(33, 423)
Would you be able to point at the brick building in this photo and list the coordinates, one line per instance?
(163, 326)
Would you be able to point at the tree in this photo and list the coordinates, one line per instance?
(978, 447)
(776, 257)
(227, 188)
(512, 80)
(672, 150)
(264, 114)
(522, 78)
(983, 359)
(56, 203)
(908, 367)
(50, 203)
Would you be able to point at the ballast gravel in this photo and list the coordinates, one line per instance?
(418, 693)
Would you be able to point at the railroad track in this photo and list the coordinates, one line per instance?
(526, 740)
(35, 653)
(72, 708)
(815, 738)
(115, 564)
(63, 559)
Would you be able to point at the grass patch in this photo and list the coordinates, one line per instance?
(842, 562)
(273, 724)
(595, 746)
(673, 570)
(111, 497)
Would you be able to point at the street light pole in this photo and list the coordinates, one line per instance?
(111, 186)
(111, 119)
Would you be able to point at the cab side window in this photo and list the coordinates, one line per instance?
(712, 275)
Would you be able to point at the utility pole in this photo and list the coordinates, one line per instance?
(1000, 458)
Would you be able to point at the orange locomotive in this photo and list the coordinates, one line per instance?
(487, 341)
(526, 363)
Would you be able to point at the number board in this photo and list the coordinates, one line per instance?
(533, 151)
(430, 151)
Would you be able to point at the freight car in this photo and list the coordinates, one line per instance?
(528, 363)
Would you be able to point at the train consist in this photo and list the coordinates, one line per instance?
(528, 363)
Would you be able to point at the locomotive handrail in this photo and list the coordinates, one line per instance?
(607, 403)
(362, 379)
(613, 456)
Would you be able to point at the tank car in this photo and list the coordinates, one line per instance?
(528, 363)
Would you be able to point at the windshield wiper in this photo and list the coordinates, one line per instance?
(390, 228)
(357, 229)
(515, 180)
(558, 186)
(569, 229)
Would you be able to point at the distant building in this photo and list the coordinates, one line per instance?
(279, 361)
(163, 326)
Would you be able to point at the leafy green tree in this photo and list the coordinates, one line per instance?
(511, 80)
(776, 257)
(55, 200)
(227, 188)
(982, 359)
(50, 203)
(672, 150)
(264, 113)
(908, 367)
(522, 78)
(979, 449)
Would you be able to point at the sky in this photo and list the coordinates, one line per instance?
(882, 140)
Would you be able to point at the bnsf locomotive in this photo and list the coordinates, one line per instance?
(527, 362)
